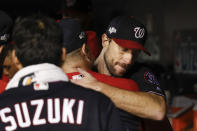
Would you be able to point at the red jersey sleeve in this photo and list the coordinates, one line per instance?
(121, 83)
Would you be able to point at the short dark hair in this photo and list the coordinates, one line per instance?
(38, 39)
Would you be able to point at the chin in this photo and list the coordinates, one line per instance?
(118, 74)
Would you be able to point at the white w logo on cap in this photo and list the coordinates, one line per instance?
(139, 32)
(82, 35)
(112, 30)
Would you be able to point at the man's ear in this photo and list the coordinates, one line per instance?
(105, 40)
(16, 61)
(85, 52)
(1, 48)
(63, 54)
(83, 49)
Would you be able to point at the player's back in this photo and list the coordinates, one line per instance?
(57, 106)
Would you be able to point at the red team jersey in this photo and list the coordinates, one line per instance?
(3, 83)
(126, 84)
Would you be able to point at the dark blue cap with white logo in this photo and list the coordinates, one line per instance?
(128, 32)
(73, 36)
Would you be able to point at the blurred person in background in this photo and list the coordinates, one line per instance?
(78, 9)
(5, 30)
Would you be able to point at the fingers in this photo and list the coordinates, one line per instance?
(83, 72)
(77, 82)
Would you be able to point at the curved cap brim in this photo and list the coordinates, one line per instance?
(131, 45)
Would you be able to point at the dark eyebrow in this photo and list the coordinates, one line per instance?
(125, 49)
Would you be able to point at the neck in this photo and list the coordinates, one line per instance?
(74, 61)
(101, 65)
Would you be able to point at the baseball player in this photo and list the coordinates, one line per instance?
(82, 49)
(79, 56)
(124, 38)
(39, 96)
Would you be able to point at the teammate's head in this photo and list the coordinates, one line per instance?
(38, 39)
(124, 38)
(80, 45)
(73, 36)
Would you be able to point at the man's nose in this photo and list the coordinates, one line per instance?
(127, 58)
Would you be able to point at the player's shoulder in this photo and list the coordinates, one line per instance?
(75, 90)
(71, 90)
(143, 73)
(64, 87)
(54, 89)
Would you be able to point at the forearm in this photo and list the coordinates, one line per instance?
(141, 104)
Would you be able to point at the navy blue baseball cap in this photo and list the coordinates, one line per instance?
(73, 35)
(5, 27)
(128, 32)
